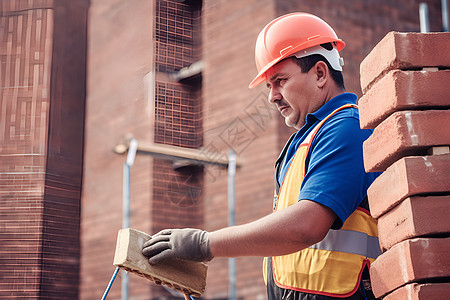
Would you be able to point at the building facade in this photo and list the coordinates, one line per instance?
(80, 77)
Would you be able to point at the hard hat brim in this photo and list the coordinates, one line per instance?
(261, 77)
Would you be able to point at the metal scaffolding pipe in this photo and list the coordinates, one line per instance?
(444, 8)
(126, 204)
(231, 220)
(423, 18)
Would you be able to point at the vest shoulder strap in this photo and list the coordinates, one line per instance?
(282, 157)
(280, 161)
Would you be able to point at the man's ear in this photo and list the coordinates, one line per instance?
(322, 73)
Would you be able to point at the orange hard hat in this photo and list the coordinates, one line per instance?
(286, 36)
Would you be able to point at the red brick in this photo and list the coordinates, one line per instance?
(403, 90)
(414, 217)
(416, 291)
(405, 133)
(407, 177)
(424, 259)
(405, 51)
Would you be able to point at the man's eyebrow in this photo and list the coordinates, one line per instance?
(275, 76)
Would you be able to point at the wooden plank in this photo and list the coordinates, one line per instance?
(187, 277)
(176, 153)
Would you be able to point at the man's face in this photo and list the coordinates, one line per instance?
(295, 94)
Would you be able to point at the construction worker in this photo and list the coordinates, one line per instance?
(321, 238)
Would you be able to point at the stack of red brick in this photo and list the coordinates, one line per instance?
(406, 86)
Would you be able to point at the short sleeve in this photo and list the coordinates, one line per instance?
(335, 174)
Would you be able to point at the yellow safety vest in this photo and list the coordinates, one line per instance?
(332, 267)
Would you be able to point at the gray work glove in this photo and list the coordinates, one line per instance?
(184, 244)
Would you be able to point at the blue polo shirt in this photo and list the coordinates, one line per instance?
(335, 175)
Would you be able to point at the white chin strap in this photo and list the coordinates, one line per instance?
(332, 56)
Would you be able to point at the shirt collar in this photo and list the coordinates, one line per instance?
(330, 106)
(323, 112)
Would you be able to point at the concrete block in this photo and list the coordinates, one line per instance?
(409, 176)
(404, 90)
(416, 291)
(405, 51)
(414, 217)
(405, 133)
(420, 259)
(184, 276)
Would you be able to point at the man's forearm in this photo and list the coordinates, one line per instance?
(287, 231)
(283, 232)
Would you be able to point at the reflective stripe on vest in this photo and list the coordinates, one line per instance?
(333, 266)
(350, 241)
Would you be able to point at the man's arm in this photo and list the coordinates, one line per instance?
(289, 230)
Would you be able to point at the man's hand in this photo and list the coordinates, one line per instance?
(185, 244)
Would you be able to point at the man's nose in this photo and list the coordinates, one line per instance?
(274, 95)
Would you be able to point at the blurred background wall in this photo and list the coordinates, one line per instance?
(43, 92)
(80, 77)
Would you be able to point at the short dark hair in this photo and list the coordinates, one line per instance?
(306, 63)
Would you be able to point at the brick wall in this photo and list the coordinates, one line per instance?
(177, 200)
(23, 146)
(406, 100)
(119, 102)
(42, 110)
(135, 49)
